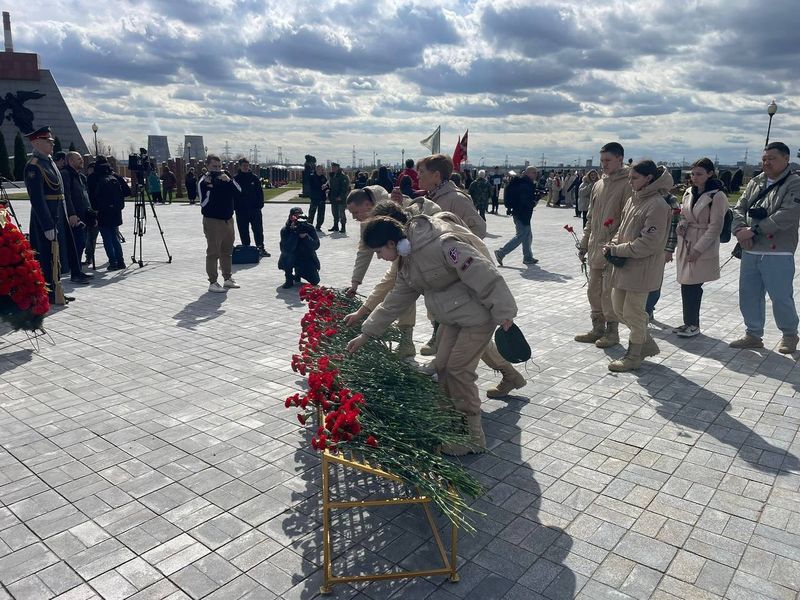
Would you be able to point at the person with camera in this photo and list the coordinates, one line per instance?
(109, 201)
(248, 206)
(218, 192)
(299, 244)
(76, 198)
(765, 223)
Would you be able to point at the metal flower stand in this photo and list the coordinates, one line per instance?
(332, 459)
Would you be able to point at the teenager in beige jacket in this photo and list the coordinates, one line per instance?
(605, 210)
(640, 241)
(697, 258)
(463, 291)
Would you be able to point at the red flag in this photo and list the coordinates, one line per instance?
(460, 153)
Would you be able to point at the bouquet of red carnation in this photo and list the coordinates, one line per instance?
(375, 405)
(23, 293)
(570, 229)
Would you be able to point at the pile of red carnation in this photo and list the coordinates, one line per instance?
(23, 293)
(340, 406)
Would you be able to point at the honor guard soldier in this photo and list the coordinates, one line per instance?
(46, 193)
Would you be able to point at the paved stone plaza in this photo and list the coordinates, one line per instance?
(147, 454)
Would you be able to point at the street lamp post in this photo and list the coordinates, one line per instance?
(95, 128)
(771, 110)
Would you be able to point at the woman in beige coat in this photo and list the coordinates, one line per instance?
(640, 240)
(697, 258)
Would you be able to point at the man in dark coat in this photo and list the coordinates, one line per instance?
(191, 186)
(110, 193)
(317, 188)
(248, 207)
(520, 198)
(76, 197)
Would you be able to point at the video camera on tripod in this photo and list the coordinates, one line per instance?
(140, 166)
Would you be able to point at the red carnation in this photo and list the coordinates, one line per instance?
(302, 419)
(371, 441)
(569, 228)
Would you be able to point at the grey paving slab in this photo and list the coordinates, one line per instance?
(146, 452)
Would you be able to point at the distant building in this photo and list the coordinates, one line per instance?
(193, 147)
(30, 98)
(158, 148)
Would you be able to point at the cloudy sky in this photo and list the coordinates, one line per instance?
(668, 78)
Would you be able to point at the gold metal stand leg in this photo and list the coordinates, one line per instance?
(326, 588)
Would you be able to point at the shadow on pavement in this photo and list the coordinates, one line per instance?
(688, 404)
(206, 308)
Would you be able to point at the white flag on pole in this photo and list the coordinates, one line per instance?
(433, 141)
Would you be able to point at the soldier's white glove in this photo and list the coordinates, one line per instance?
(50, 234)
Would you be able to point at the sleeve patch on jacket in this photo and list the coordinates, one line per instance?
(453, 253)
(466, 264)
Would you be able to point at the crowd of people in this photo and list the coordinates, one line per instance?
(429, 223)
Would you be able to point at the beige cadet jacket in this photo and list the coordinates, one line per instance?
(364, 254)
(452, 268)
(417, 206)
(452, 199)
(641, 237)
(605, 203)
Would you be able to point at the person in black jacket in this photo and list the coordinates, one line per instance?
(299, 244)
(520, 197)
(76, 200)
(248, 207)
(317, 190)
(191, 185)
(218, 192)
(109, 200)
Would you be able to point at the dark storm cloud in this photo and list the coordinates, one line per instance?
(541, 104)
(379, 44)
(491, 75)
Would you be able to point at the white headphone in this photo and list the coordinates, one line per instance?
(404, 247)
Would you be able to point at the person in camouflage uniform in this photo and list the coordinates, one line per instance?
(480, 191)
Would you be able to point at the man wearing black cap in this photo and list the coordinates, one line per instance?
(46, 192)
(248, 207)
(339, 188)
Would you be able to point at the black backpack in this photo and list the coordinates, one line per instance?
(727, 221)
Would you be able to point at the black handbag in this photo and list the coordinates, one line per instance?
(617, 261)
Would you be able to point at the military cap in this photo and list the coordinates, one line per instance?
(43, 133)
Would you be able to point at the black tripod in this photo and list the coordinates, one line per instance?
(4, 199)
(140, 223)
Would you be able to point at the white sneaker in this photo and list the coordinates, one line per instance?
(690, 331)
(230, 283)
(215, 287)
(680, 330)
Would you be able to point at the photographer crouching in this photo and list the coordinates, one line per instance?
(299, 243)
(218, 191)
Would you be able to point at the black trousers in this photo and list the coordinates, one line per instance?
(339, 214)
(317, 207)
(247, 218)
(691, 295)
(311, 275)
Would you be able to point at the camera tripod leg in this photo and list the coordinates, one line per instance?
(161, 231)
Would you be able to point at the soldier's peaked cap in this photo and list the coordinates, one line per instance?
(43, 133)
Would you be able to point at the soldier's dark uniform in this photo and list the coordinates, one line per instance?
(45, 191)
